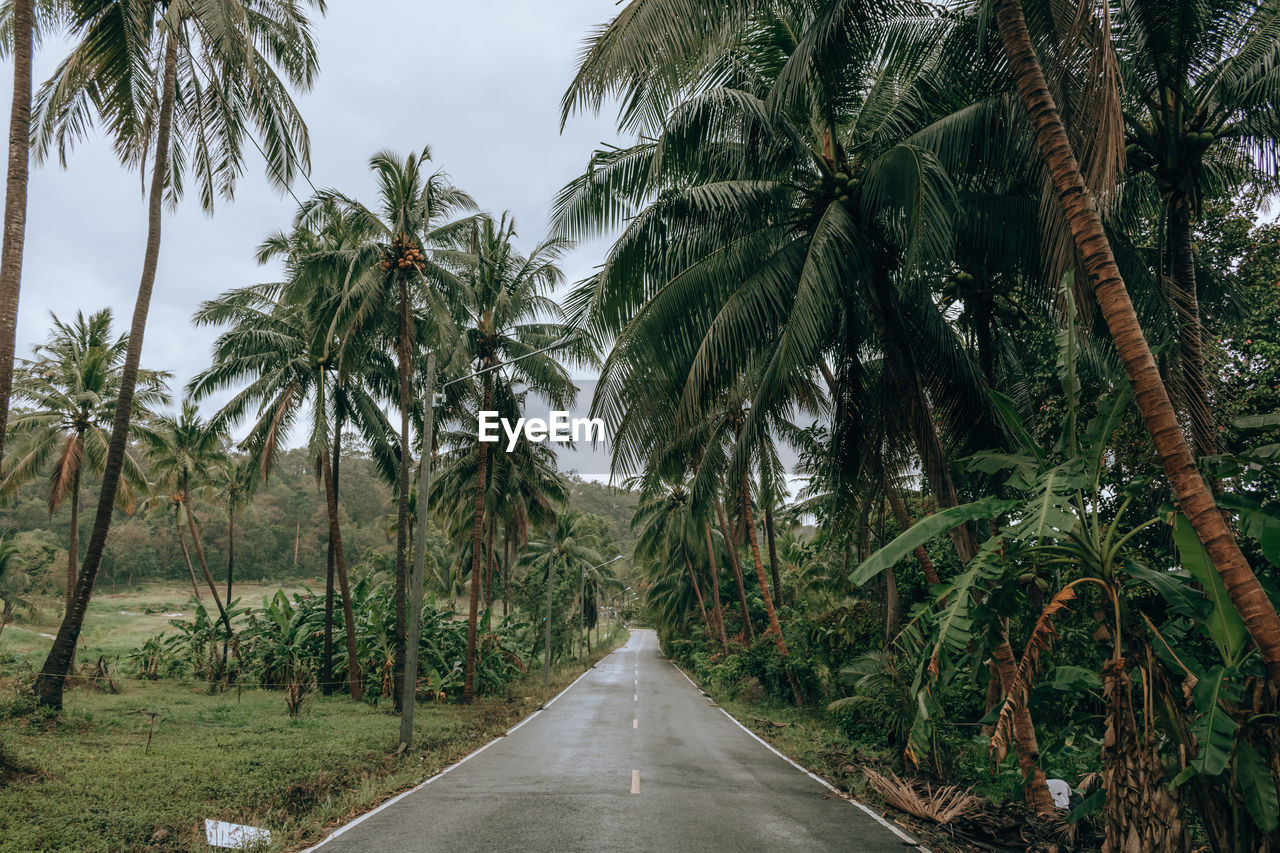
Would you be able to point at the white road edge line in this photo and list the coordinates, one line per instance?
(872, 813)
(418, 787)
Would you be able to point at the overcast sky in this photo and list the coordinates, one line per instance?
(478, 82)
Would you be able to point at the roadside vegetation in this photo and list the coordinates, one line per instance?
(939, 352)
(142, 768)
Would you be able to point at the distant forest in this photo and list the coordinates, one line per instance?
(279, 535)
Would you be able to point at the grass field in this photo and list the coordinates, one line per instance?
(88, 780)
(117, 623)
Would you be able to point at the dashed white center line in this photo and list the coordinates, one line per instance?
(635, 781)
(635, 698)
(635, 724)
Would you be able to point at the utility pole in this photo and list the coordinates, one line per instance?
(413, 632)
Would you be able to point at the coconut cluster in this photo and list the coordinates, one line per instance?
(839, 186)
(404, 255)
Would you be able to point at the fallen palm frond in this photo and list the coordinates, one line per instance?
(941, 805)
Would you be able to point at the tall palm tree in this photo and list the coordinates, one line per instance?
(166, 80)
(1099, 262)
(71, 386)
(1196, 128)
(402, 265)
(280, 341)
(20, 22)
(509, 318)
(184, 452)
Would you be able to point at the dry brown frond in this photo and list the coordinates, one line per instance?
(941, 805)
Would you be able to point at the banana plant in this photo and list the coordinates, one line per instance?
(1067, 529)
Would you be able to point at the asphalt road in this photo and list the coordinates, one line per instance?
(631, 758)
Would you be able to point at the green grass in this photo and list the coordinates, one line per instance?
(118, 622)
(87, 781)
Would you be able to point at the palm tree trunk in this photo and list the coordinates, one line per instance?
(204, 564)
(49, 685)
(340, 561)
(326, 665)
(900, 515)
(15, 203)
(402, 509)
(771, 536)
(491, 559)
(737, 571)
(1195, 389)
(231, 570)
(473, 615)
(506, 574)
(186, 557)
(715, 587)
(326, 662)
(697, 590)
(1194, 496)
(755, 557)
(73, 543)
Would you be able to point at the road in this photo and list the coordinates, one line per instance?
(631, 757)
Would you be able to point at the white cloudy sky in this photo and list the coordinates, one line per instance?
(479, 82)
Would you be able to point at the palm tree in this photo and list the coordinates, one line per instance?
(281, 342)
(669, 533)
(184, 452)
(1193, 125)
(71, 388)
(401, 263)
(509, 318)
(569, 546)
(1094, 249)
(172, 78)
(21, 21)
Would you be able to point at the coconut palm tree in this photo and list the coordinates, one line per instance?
(1195, 129)
(21, 22)
(184, 452)
(509, 317)
(164, 81)
(1099, 262)
(71, 386)
(281, 347)
(402, 265)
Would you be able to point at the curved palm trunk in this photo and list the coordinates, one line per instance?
(774, 627)
(340, 561)
(1113, 300)
(186, 557)
(697, 590)
(473, 614)
(402, 508)
(204, 564)
(73, 542)
(49, 685)
(771, 536)
(736, 567)
(715, 587)
(15, 204)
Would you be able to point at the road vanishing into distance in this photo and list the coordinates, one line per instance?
(632, 757)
